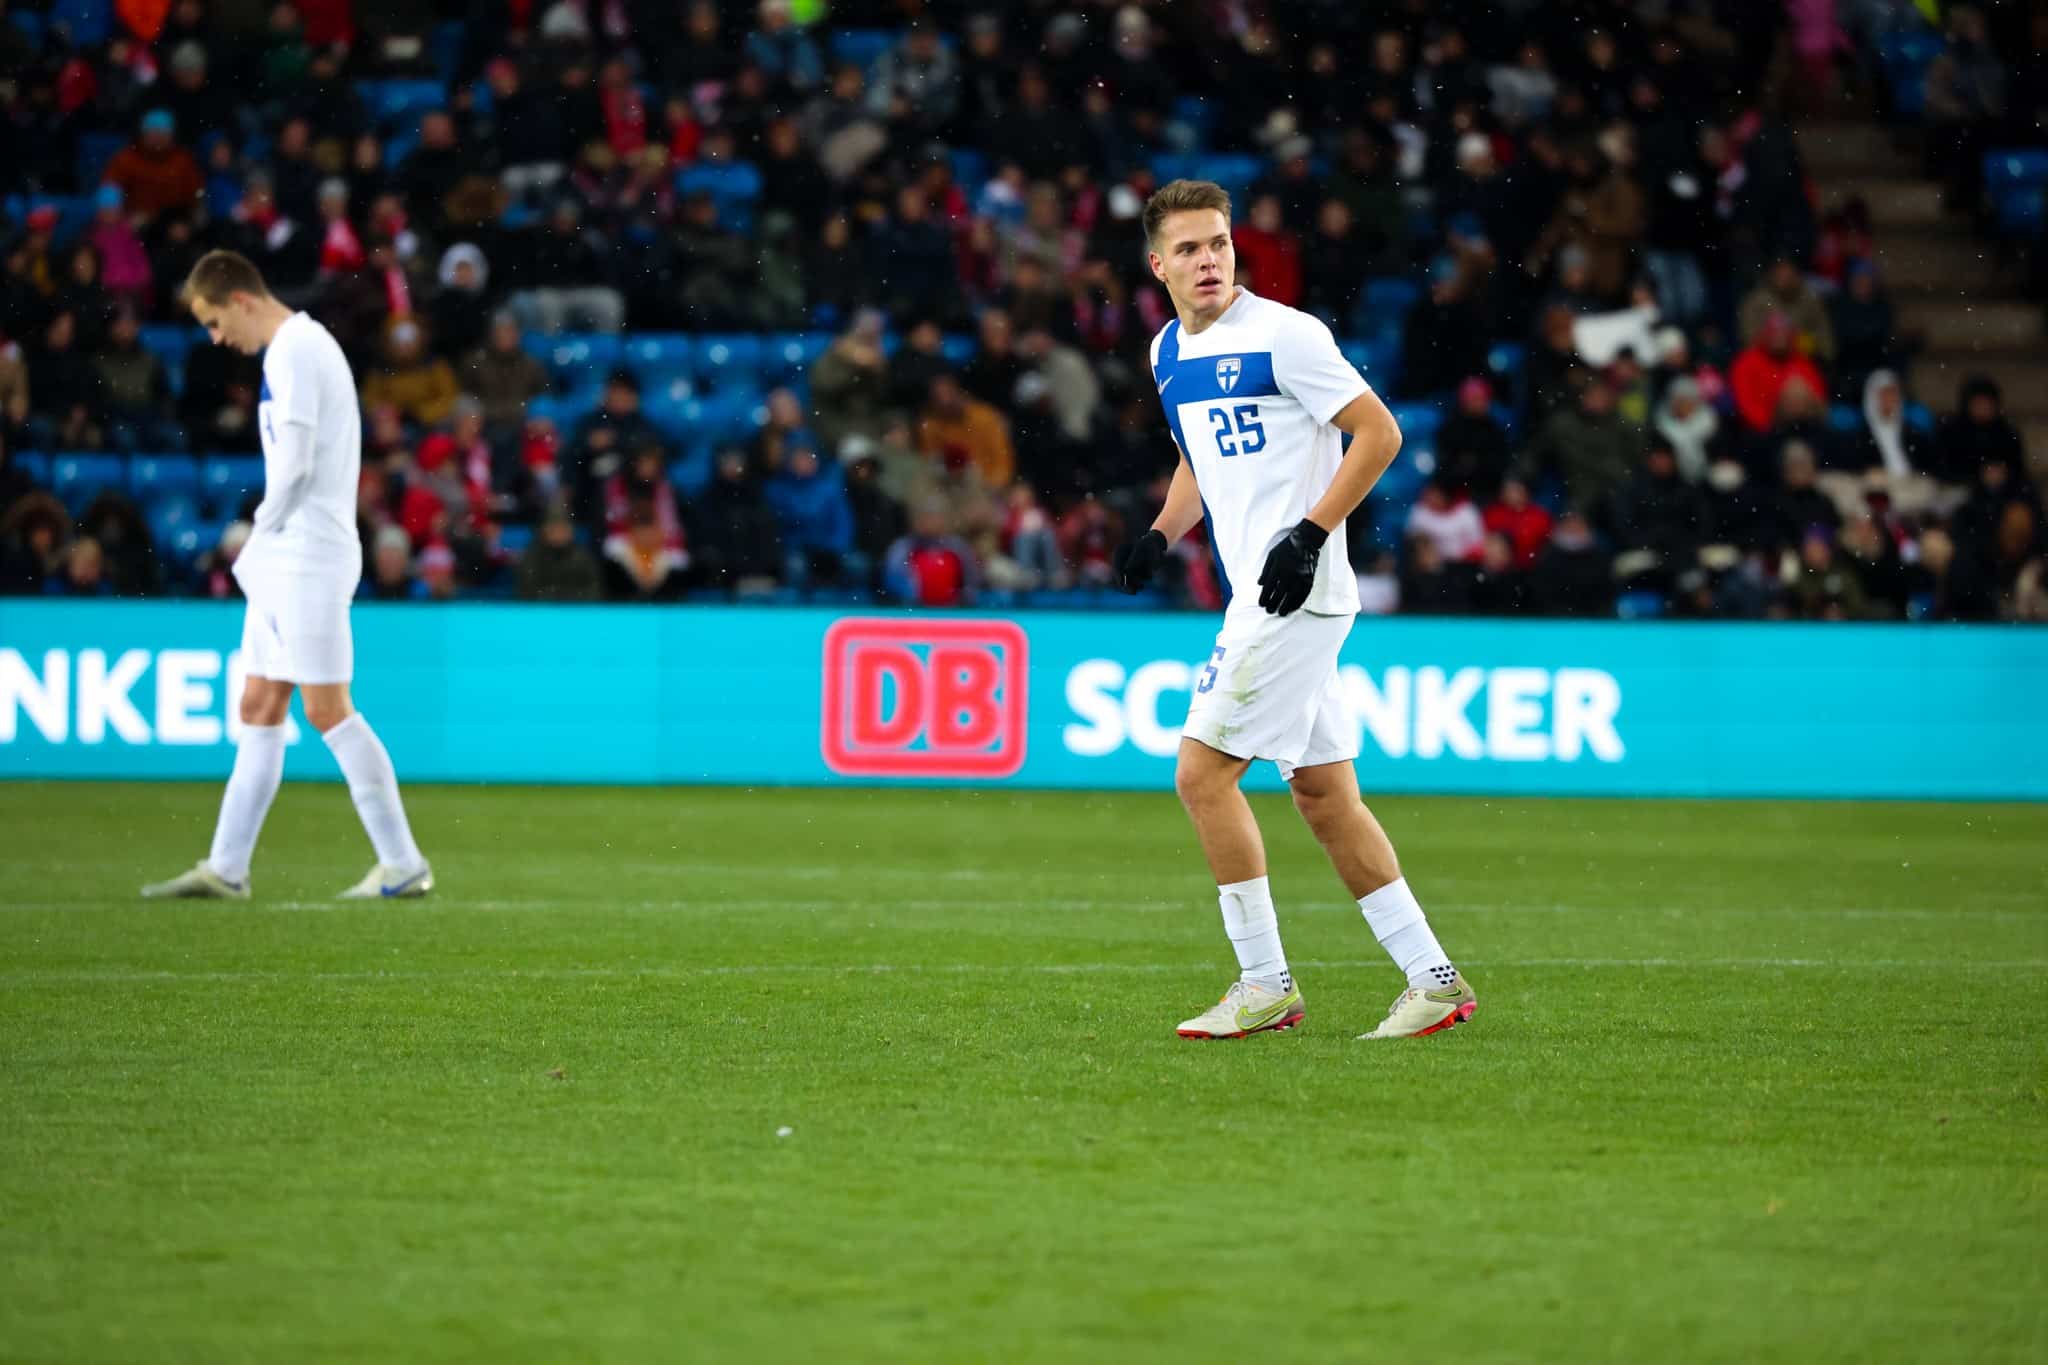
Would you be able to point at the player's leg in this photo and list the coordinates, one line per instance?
(1438, 997)
(401, 869)
(258, 771)
(1264, 996)
(323, 653)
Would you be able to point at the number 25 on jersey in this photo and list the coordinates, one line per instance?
(1237, 430)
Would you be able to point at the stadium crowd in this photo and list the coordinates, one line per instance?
(654, 301)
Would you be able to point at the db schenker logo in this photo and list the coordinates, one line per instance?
(924, 698)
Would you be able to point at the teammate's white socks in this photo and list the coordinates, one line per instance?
(373, 785)
(1255, 932)
(259, 768)
(1397, 922)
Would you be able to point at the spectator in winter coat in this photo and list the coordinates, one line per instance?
(814, 518)
(156, 176)
(1760, 372)
(930, 566)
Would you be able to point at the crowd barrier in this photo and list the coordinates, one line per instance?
(505, 693)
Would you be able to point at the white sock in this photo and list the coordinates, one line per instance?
(373, 784)
(1398, 923)
(1255, 932)
(252, 785)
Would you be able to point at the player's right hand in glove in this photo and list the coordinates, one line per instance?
(1135, 561)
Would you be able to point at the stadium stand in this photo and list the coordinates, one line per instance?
(1648, 290)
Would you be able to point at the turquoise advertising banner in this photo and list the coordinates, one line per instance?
(507, 693)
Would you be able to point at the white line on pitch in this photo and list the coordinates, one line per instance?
(32, 978)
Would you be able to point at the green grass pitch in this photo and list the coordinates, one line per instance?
(1748, 1082)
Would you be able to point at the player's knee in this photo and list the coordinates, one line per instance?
(1322, 811)
(263, 708)
(325, 713)
(1192, 785)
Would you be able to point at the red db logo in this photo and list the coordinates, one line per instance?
(924, 698)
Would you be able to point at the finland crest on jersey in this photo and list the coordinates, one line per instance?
(1249, 400)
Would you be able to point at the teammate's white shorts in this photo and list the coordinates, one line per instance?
(295, 629)
(1270, 690)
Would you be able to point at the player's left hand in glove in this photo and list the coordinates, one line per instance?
(1135, 561)
(1290, 570)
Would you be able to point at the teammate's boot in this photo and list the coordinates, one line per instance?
(1418, 1013)
(1247, 1008)
(390, 883)
(202, 883)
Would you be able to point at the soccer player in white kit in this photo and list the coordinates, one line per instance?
(1260, 401)
(298, 570)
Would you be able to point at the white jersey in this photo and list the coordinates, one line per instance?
(306, 382)
(1250, 399)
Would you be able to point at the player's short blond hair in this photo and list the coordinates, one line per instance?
(1179, 196)
(218, 274)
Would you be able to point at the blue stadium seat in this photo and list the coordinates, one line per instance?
(158, 476)
(1233, 171)
(1905, 57)
(34, 463)
(171, 343)
(77, 478)
(970, 170)
(1919, 418)
(170, 514)
(399, 146)
(1377, 358)
(397, 104)
(95, 150)
(958, 350)
(578, 358)
(513, 540)
(2011, 167)
(692, 474)
(1419, 421)
(567, 410)
(659, 354)
(724, 359)
(73, 212)
(1385, 303)
(1844, 418)
(184, 543)
(2023, 211)
(88, 21)
(29, 25)
(1639, 606)
(861, 47)
(734, 186)
(788, 356)
(225, 481)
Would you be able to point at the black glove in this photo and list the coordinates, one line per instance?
(1135, 561)
(1291, 568)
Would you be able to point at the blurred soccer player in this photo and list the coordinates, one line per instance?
(298, 571)
(1260, 400)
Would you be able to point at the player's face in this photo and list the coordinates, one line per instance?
(228, 324)
(1196, 262)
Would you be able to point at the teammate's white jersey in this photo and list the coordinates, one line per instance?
(1250, 400)
(307, 523)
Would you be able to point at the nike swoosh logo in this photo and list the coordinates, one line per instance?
(1253, 1018)
(400, 889)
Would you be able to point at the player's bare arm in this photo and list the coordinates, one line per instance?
(1375, 441)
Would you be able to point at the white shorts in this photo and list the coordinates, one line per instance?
(1270, 690)
(295, 630)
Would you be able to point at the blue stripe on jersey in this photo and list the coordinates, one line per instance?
(1169, 353)
(1215, 555)
(1213, 378)
(266, 390)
